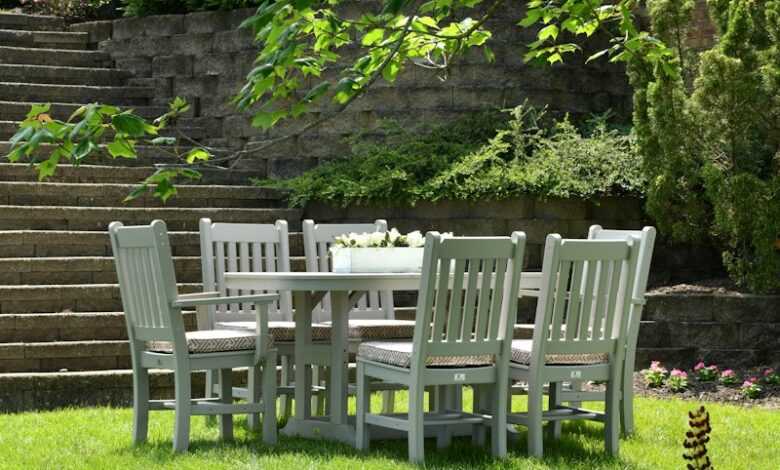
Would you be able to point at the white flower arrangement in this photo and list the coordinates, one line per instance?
(390, 239)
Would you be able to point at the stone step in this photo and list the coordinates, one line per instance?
(28, 391)
(79, 270)
(44, 93)
(17, 110)
(69, 326)
(65, 57)
(53, 243)
(91, 270)
(66, 298)
(118, 174)
(31, 22)
(44, 39)
(52, 356)
(98, 218)
(25, 73)
(109, 194)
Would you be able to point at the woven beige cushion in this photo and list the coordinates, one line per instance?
(280, 331)
(521, 354)
(207, 341)
(400, 354)
(367, 329)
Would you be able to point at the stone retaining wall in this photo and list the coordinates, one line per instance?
(205, 57)
(728, 329)
(536, 217)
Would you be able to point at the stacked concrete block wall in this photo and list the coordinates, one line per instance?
(205, 58)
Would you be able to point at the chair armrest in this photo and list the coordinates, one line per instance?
(198, 295)
(182, 301)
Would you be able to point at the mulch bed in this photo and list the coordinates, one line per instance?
(714, 391)
(710, 391)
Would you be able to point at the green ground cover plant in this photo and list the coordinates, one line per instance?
(100, 438)
(482, 157)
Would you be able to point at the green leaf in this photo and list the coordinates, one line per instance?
(316, 92)
(121, 148)
(129, 124)
(549, 31)
(197, 154)
(22, 135)
(372, 37)
(38, 109)
(83, 149)
(47, 167)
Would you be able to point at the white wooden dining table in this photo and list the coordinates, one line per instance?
(308, 289)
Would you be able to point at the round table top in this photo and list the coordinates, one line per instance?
(329, 281)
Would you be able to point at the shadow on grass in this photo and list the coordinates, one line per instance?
(568, 452)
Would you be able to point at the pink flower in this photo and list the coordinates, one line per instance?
(753, 379)
(679, 373)
(728, 373)
(769, 372)
(655, 365)
(698, 366)
(747, 383)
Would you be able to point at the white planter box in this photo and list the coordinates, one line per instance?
(377, 260)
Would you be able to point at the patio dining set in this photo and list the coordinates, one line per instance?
(310, 340)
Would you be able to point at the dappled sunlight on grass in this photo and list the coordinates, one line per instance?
(100, 438)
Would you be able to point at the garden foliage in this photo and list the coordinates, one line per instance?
(82, 9)
(710, 135)
(471, 160)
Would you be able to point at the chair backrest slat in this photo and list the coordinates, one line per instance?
(317, 239)
(147, 282)
(575, 301)
(582, 306)
(244, 248)
(452, 322)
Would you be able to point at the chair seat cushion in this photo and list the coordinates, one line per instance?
(400, 354)
(369, 328)
(280, 331)
(521, 354)
(208, 341)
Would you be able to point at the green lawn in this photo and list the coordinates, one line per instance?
(100, 438)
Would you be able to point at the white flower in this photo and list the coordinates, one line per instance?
(415, 239)
(394, 235)
(375, 239)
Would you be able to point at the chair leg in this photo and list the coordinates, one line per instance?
(388, 401)
(285, 403)
(627, 405)
(555, 401)
(140, 405)
(445, 402)
(269, 399)
(535, 399)
(253, 392)
(498, 429)
(226, 396)
(416, 425)
(211, 382)
(612, 417)
(183, 393)
(363, 407)
(576, 386)
(479, 432)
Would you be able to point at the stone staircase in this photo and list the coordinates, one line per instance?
(62, 333)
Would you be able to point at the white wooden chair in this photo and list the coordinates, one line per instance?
(574, 395)
(572, 392)
(158, 340)
(577, 337)
(373, 316)
(237, 247)
(465, 310)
